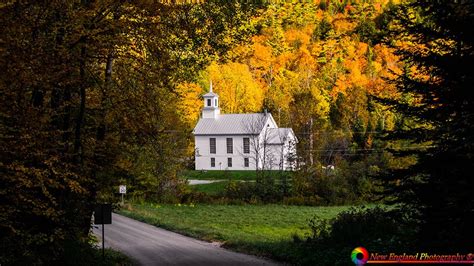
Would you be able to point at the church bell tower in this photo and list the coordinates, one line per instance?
(211, 104)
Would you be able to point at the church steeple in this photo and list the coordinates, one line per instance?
(211, 104)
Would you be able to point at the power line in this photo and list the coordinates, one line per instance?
(296, 133)
(374, 149)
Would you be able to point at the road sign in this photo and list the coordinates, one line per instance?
(123, 189)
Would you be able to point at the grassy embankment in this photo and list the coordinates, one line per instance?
(265, 230)
(219, 175)
(223, 177)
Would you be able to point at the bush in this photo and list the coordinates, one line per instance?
(267, 188)
(377, 229)
(307, 201)
(348, 183)
(244, 191)
(68, 252)
(76, 253)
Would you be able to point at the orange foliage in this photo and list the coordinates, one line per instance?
(286, 59)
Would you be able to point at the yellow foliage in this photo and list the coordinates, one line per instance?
(189, 104)
(297, 38)
(238, 91)
(357, 78)
(321, 109)
(343, 25)
(340, 87)
(262, 56)
(327, 66)
(281, 93)
(304, 60)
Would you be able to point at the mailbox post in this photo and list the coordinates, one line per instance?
(103, 215)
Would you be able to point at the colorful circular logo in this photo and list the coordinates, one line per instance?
(360, 256)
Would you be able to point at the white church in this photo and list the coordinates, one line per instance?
(241, 141)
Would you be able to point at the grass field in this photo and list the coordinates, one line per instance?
(265, 230)
(218, 174)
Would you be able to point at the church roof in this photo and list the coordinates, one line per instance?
(210, 94)
(278, 135)
(232, 124)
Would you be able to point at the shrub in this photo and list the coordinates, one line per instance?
(300, 201)
(76, 253)
(377, 229)
(241, 191)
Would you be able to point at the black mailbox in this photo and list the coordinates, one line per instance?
(103, 214)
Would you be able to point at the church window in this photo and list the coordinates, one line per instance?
(246, 145)
(230, 146)
(212, 145)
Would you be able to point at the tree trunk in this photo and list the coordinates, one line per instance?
(108, 81)
(82, 106)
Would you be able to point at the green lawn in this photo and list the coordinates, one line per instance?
(257, 229)
(218, 174)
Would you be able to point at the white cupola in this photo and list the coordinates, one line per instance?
(211, 104)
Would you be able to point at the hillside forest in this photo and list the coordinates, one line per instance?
(317, 68)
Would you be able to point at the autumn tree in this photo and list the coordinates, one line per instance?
(239, 92)
(89, 89)
(53, 143)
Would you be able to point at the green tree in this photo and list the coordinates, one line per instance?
(436, 42)
(339, 112)
(322, 30)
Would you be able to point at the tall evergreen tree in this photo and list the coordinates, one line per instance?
(436, 42)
